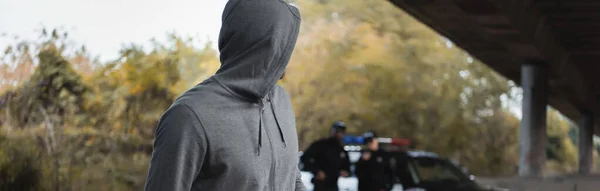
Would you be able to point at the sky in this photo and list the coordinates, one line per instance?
(103, 26)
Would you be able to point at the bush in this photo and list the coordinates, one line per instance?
(20, 168)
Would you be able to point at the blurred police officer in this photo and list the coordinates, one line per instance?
(327, 159)
(373, 169)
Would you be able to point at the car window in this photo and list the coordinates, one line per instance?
(424, 169)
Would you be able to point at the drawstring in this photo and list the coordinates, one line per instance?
(278, 126)
(261, 109)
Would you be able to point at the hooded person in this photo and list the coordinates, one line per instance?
(235, 130)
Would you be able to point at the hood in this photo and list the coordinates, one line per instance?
(256, 41)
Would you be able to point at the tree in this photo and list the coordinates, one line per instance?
(561, 152)
(96, 129)
(376, 67)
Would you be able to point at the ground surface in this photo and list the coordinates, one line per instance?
(345, 184)
(558, 183)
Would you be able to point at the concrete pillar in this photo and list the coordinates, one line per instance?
(533, 138)
(586, 142)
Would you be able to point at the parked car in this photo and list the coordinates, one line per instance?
(414, 171)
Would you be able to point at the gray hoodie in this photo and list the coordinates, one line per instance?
(235, 131)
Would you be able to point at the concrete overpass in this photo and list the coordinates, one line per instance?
(550, 47)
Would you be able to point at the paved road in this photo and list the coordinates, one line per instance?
(557, 183)
(345, 184)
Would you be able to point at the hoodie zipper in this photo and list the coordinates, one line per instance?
(273, 162)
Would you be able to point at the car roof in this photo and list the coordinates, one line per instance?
(422, 154)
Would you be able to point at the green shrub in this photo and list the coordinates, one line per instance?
(20, 168)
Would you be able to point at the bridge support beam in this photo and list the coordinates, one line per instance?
(533, 138)
(586, 136)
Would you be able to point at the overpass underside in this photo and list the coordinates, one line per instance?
(549, 47)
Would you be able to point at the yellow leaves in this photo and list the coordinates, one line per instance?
(210, 66)
(136, 89)
(203, 67)
(569, 151)
(90, 141)
(562, 146)
(133, 131)
(556, 124)
(117, 126)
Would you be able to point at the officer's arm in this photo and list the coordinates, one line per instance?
(390, 164)
(309, 158)
(360, 167)
(179, 149)
(346, 165)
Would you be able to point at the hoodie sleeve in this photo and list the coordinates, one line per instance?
(299, 184)
(179, 149)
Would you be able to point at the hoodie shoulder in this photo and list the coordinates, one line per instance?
(205, 94)
(280, 91)
(282, 99)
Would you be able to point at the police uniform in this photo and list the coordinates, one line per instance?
(327, 155)
(374, 174)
